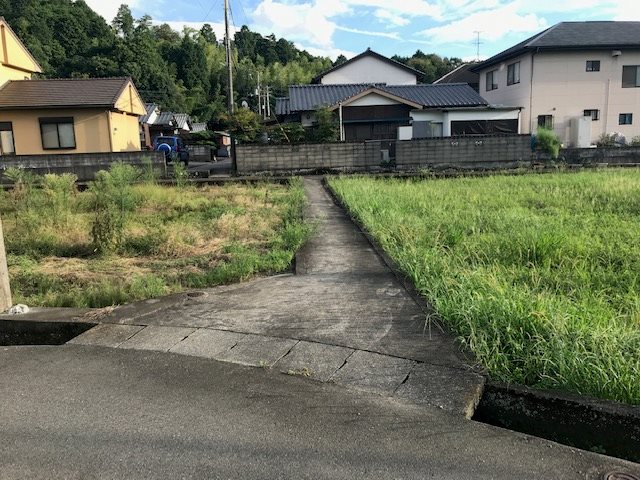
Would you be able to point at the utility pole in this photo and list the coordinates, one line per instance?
(5, 291)
(229, 59)
(234, 165)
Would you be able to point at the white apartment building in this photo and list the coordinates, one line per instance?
(580, 78)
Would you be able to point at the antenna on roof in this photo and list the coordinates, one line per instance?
(477, 43)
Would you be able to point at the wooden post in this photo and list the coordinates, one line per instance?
(5, 291)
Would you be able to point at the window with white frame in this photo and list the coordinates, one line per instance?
(7, 144)
(57, 133)
(513, 73)
(492, 80)
(625, 119)
(630, 76)
(593, 66)
(545, 121)
(593, 113)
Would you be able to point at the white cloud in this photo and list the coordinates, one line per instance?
(332, 53)
(393, 36)
(411, 8)
(385, 16)
(308, 22)
(494, 25)
(109, 8)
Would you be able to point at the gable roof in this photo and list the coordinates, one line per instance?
(368, 53)
(150, 109)
(61, 93)
(33, 66)
(310, 97)
(461, 74)
(573, 36)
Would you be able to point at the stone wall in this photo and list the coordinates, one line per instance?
(487, 152)
(84, 165)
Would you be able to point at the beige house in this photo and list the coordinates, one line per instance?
(62, 115)
(580, 78)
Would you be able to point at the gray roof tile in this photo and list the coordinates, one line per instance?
(311, 97)
(574, 35)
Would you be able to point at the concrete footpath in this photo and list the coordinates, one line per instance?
(342, 318)
(168, 388)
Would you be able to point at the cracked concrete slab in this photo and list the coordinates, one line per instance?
(453, 390)
(157, 338)
(374, 372)
(314, 360)
(207, 343)
(107, 335)
(343, 298)
(258, 351)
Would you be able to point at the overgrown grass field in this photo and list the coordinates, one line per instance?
(539, 275)
(121, 241)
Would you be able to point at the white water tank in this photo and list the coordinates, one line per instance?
(580, 132)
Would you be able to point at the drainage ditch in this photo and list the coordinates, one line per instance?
(23, 332)
(589, 424)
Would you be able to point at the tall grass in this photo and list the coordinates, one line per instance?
(538, 275)
(121, 241)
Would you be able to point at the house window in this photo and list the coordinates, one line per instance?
(7, 145)
(630, 77)
(513, 73)
(57, 133)
(545, 121)
(492, 81)
(594, 114)
(625, 119)
(593, 65)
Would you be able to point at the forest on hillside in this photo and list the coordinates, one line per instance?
(180, 71)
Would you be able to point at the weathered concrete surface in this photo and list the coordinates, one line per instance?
(452, 390)
(107, 335)
(314, 360)
(342, 297)
(372, 371)
(87, 412)
(157, 338)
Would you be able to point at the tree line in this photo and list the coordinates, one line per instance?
(181, 71)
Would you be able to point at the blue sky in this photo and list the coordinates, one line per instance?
(331, 27)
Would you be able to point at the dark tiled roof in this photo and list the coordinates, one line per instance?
(198, 127)
(149, 108)
(182, 120)
(444, 95)
(462, 74)
(82, 93)
(166, 119)
(310, 97)
(282, 106)
(369, 53)
(572, 36)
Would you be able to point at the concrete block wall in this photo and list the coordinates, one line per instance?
(592, 156)
(84, 165)
(437, 153)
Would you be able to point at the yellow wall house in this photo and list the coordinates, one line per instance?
(88, 115)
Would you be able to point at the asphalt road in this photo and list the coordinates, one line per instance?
(91, 412)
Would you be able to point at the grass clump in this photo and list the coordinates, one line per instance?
(538, 275)
(127, 238)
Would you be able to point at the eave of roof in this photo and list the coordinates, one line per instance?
(368, 53)
(537, 43)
